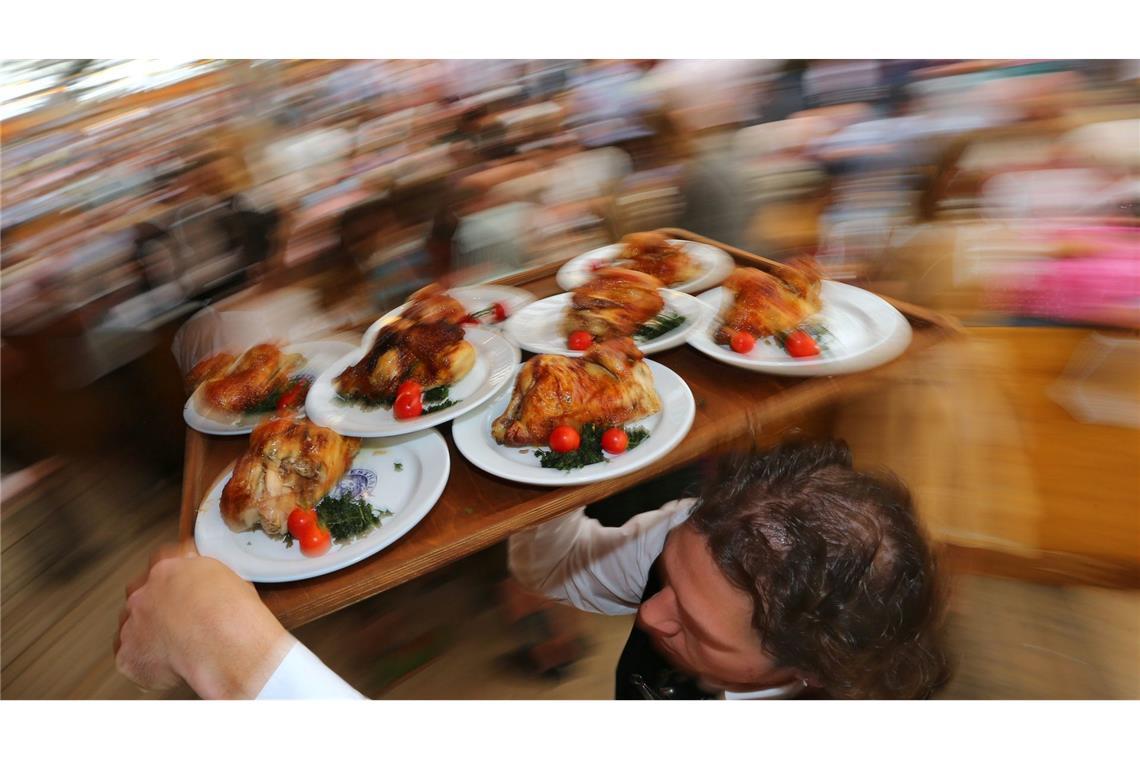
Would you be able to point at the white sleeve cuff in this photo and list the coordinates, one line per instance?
(301, 675)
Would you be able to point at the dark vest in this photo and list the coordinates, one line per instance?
(642, 673)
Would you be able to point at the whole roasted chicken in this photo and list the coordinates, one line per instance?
(610, 385)
(290, 462)
(614, 303)
(247, 382)
(652, 253)
(431, 353)
(762, 305)
(209, 368)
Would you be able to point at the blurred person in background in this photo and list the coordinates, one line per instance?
(791, 572)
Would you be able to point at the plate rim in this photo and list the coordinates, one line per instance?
(693, 287)
(434, 491)
(890, 346)
(578, 477)
(436, 419)
(190, 415)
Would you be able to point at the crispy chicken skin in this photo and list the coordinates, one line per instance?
(290, 462)
(433, 304)
(763, 305)
(614, 303)
(259, 372)
(653, 254)
(431, 353)
(208, 369)
(610, 385)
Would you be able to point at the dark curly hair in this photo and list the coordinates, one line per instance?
(843, 583)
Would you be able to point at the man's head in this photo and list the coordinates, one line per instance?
(796, 566)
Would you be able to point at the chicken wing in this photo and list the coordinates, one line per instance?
(431, 353)
(763, 305)
(610, 385)
(259, 372)
(290, 462)
(614, 303)
(652, 253)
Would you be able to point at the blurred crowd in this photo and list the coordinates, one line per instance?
(994, 190)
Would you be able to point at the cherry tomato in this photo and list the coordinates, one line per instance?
(294, 397)
(316, 541)
(615, 440)
(580, 340)
(564, 438)
(742, 342)
(408, 406)
(410, 386)
(469, 320)
(799, 344)
(301, 520)
(500, 311)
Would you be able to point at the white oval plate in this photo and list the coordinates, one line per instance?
(866, 331)
(714, 263)
(409, 494)
(474, 298)
(667, 428)
(538, 327)
(495, 361)
(200, 416)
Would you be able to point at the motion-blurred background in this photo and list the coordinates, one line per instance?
(144, 201)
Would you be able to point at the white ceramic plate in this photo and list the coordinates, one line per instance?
(538, 328)
(866, 331)
(667, 428)
(474, 298)
(495, 361)
(205, 419)
(408, 493)
(715, 266)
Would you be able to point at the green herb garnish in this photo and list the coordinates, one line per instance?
(820, 334)
(399, 466)
(358, 399)
(659, 325)
(589, 449)
(348, 517)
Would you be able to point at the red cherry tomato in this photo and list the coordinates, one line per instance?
(564, 438)
(316, 541)
(742, 342)
(799, 344)
(293, 398)
(580, 340)
(615, 440)
(301, 520)
(408, 406)
(409, 386)
(469, 320)
(500, 311)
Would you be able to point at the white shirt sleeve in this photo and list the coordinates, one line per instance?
(574, 559)
(301, 675)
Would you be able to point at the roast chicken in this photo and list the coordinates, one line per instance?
(614, 303)
(290, 462)
(433, 304)
(431, 353)
(610, 385)
(259, 372)
(652, 253)
(209, 368)
(763, 305)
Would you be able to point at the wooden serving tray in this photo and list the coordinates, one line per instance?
(478, 510)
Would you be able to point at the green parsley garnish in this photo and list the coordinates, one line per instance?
(589, 449)
(659, 325)
(399, 466)
(348, 517)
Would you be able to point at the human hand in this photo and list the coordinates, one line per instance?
(190, 618)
